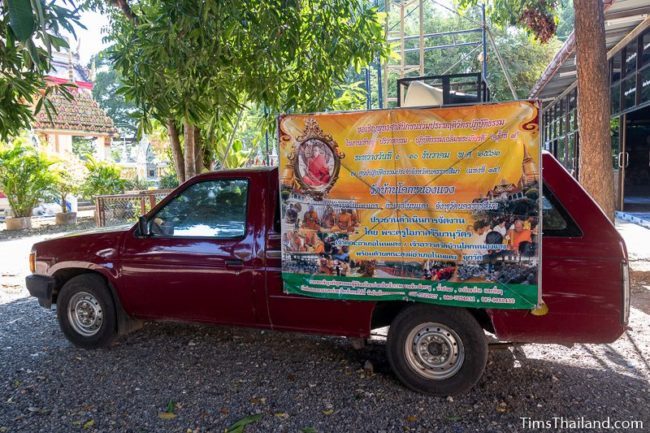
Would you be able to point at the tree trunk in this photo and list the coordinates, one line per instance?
(231, 140)
(198, 151)
(595, 165)
(190, 155)
(177, 152)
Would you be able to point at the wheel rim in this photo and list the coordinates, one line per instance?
(434, 351)
(85, 314)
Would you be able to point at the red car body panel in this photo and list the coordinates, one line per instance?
(581, 276)
(238, 282)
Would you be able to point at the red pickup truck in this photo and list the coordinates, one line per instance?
(210, 252)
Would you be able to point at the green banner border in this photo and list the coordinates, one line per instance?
(525, 295)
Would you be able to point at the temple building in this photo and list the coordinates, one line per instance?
(79, 116)
(140, 160)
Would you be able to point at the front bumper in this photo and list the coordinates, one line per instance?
(41, 287)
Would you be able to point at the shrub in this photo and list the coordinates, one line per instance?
(168, 181)
(24, 177)
(103, 179)
(68, 179)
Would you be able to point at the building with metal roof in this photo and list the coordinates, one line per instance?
(627, 35)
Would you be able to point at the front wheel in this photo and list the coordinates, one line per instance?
(437, 350)
(86, 312)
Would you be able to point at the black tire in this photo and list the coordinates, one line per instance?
(442, 334)
(93, 321)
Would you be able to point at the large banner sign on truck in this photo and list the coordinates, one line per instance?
(436, 205)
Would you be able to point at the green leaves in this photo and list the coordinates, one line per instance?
(240, 425)
(21, 19)
(536, 17)
(103, 179)
(68, 176)
(28, 29)
(203, 61)
(24, 177)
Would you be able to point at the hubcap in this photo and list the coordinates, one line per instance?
(434, 351)
(85, 314)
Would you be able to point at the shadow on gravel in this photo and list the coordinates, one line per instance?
(640, 299)
(216, 376)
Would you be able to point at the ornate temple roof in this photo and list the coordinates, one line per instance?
(80, 115)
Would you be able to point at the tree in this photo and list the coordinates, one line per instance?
(28, 33)
(595, 168)
(68, 176)
(25, 177)
(82, 147)
(594, 165)
(525, 61)
(525, 58)
(106, 84)
(103, 179)
(195, 66)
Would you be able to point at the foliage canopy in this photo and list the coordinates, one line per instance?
(199, 63)
(29, 32)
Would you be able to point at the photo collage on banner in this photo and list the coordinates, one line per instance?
(437, 205)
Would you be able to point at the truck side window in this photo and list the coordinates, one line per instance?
(556, 221)
(214, 209)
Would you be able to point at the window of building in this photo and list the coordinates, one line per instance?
(615, 97)
(571, 154)
(615, 67)
(573, 107)
(644, 78)
(561, 151)
(628, 87)
(614, 127)
(630, 58)
(645, 49)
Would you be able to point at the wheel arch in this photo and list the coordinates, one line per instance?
(385, 312)
(125, 323)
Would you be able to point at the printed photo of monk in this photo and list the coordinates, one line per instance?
(316, 163)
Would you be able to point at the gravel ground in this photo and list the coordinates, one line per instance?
(186, 378)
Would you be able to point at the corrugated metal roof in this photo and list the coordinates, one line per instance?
(621, 18)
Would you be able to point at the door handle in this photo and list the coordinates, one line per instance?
(273, 254)
(627, 159)
(620, 159)
(234, 263)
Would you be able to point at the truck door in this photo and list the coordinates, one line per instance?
(302, 313)
(198, 263)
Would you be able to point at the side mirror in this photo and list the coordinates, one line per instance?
(143, 227)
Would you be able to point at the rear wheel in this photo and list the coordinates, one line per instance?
(437, 350)
(86, 312)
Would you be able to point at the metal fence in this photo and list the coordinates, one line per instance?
(118, 209)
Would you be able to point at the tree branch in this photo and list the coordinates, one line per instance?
(126, 9)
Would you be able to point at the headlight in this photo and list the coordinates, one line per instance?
(32, 262)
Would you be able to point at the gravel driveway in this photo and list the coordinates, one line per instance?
(185, 378)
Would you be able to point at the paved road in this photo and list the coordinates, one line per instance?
(209, 377)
